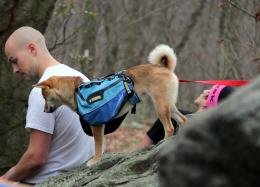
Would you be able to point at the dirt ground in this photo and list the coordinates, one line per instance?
(126, 139)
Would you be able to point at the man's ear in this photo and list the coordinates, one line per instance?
(43, 84)
(32, 48)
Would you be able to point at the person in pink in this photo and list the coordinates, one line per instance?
(207, 99)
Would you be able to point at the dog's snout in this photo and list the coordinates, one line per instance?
(52, 109)
(49, 109)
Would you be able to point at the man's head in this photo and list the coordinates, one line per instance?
(23, 49)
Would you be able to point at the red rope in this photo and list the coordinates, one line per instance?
(219, 82)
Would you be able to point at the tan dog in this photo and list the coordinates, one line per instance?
(155, 79)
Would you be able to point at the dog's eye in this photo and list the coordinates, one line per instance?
(45, 92)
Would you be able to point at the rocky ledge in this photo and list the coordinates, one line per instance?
(116, 169)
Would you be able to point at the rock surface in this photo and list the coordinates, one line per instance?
(118, 169)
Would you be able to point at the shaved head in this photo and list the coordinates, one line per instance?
(25, 35)
(27, 52)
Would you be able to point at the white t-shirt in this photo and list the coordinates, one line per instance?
(70, 146)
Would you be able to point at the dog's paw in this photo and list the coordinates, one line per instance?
(93, 161)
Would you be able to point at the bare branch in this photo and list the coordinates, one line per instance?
(240, 8)
(152, 12)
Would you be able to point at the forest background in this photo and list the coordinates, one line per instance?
(213, 39)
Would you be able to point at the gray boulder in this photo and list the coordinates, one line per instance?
(219, 147)
(118, 169)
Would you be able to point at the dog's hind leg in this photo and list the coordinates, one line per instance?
(164, 114)
(179, 115)
(99, 138)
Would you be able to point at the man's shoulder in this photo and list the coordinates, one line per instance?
(62, 70)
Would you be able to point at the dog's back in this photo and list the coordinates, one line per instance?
(157, 78)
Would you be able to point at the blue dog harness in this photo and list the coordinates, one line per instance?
(100, 100)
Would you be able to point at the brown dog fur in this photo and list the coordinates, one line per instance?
(155, 79)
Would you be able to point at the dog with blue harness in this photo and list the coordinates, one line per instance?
(102, 102)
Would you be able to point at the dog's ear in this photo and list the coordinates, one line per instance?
(43, 84)
(78, 81)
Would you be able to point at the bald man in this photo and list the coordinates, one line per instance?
(56, 140)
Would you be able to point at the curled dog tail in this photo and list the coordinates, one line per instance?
(163, 55)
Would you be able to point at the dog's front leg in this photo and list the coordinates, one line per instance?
(99, 139)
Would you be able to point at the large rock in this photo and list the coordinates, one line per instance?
(119, 169)
(218, 148)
